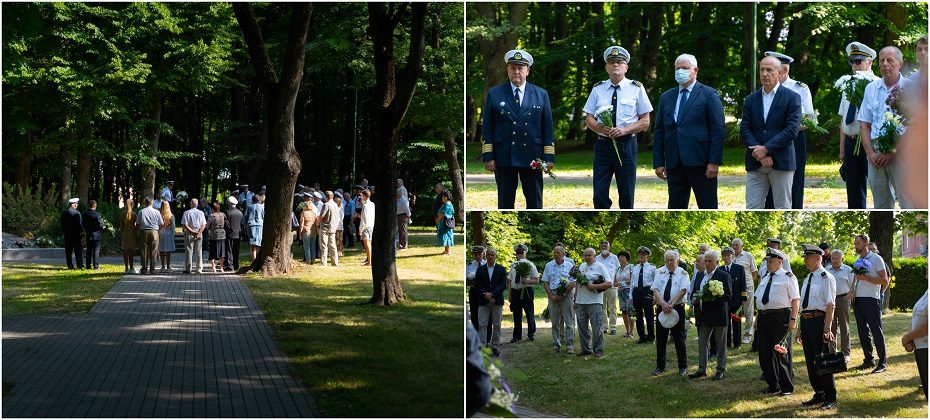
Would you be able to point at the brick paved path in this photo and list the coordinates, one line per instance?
(167, 345)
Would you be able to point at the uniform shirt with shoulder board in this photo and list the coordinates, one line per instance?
(851, 129)
(807, 103)
(611, 262)
(592, 271)
(865, 289)
(553, 272)
(473, 266)
(874, 106)
(632, 101)
(763, 270)
(784, 290)
(534, 274)
(920, 317)
(822, 290)
(844, 278)
(679, 280)
(649, 272)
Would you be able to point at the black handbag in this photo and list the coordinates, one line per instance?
(450, 222)
(829, 363)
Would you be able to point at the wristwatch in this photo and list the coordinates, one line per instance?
(794, 319)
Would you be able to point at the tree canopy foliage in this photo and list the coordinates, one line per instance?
(567, 41)
(82, 84)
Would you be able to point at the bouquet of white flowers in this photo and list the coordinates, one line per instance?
(853, 85)
(470, 278)
(605, 115)
(181, 196)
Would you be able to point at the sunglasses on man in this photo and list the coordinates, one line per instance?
(856, 61)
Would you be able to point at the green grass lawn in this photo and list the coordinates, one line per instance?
(360, 360)
(580, 162)
(620, 384)
(30, 288)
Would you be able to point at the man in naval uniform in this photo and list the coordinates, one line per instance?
(818, 294)
(517, 129)
(72, 227)
(631, 108)
(854, 165)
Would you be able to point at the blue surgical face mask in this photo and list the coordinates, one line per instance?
(682, 75)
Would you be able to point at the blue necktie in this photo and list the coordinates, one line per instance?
(850, 114)
(681, 103)
(613, 103)
(516, 96)
(807, 291)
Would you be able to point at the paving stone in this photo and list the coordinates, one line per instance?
(153, 346)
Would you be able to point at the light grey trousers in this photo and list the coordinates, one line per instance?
(884, 185)
(563, 311)
(490, 316)
(720, 334)
(841, 325)
(592, 313)
(758, 183)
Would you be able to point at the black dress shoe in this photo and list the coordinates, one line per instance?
(718, 376)
(770, 391)
(880, 368)
(864, 366)
(514, 340)
(697, 374)
(658, 372)
(813, 401)
(642, 341)
(786, 393)
(585, 353)
(829, 405)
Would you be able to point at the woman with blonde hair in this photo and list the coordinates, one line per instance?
(166, 237)
(130, 231)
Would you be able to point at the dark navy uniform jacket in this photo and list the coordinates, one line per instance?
(92, 225)
(515, 136)
(71, 223)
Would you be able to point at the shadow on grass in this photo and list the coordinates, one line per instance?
(361, 360)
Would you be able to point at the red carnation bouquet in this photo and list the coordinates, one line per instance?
(539, 165)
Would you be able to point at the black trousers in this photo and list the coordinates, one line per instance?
(521, 302)
(232, 253)
(607, 166)
(530, 179)
(868, 313)
(776, 367)
(93, 252)
(684, 179)
(348, 239)
(678, 337)
(857, 172)
(73, 248)
(645, 313)
(812, 342)
(921, 355)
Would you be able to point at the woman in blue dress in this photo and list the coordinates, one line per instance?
(255, 219)
(444, 233)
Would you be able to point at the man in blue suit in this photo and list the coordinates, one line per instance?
(491, 280)
(771, 120)
(517, 129)
(688, 138)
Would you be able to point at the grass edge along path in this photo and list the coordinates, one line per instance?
(566, 385)
(44, 288)
(359, 360)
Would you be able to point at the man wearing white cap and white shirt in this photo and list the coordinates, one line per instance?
(517, 130)
(669, 290)
(854, 167)
(589, 304)
(72, 227)
(800, 141)
(630, 115)
(233, 235)
(778, 301)
(883, 171)
(166, 195)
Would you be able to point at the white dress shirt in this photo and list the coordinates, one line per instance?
(767, 99)
(680, 282)
(844, 277)
(649, 272)
(784, 290)
(553, 272)
(822, 290)
(610, 261)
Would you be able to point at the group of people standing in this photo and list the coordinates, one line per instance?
(689, 132)
(722, 291)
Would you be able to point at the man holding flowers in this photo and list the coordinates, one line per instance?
(871, 275)
(668, 291)
(617, 110)
(523, 275)
(710, 299)
(561, 290)
(881, 125)
(778, 301)
(591, 279)
(854, 166)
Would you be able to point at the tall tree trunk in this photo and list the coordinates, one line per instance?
(284, 161)
(749, 38)
(778, 23)
(394, 93)
(24, 163)
(451, 154)
(65, 180)
(651, 47)
(476, 221)
(152, 133)
(83, 174)
(881, 231)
